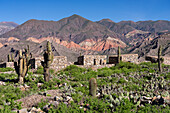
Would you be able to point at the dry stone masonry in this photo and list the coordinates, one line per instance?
(124, 57)
(59, 62)
(92, 60)
(153, 59)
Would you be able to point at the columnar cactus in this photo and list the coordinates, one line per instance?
(12, 57)
(22, 66)
(92, 87)
(48, 59)
(118, 54)
(9, 58)
(160, 59)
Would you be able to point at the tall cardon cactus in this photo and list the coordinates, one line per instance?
(92, 87)
(11, 58)
(160, 59)
(48, 59)
(22, 66)
(118, 54)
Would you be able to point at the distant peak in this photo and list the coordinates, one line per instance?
(108, 20)
(129, 21)
(77, 16)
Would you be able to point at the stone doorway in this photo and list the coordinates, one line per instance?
(94, 61)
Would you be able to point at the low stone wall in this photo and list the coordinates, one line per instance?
(125, 58)
(7, 64)
(153, 59)
(92, 60)
(59, 62)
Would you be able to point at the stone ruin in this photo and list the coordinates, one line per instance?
(59, 62)
(102, 59)
(113, 59)
(153, 59)
(95, 61)
(92, 60)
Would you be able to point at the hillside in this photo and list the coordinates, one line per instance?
(37, 50)
(7, 26)
(150, 47)
(80, 34)
(74, 28)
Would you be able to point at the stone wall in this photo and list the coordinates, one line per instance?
(153, 59)
(124, 57)
(59, 62)
(7, 64)
(92, 60)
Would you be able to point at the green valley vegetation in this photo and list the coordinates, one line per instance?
(123, 88)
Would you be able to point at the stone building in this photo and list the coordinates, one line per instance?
(113, 59)
(153, 59)
(92, 60)
(7, 64)
(59, 62)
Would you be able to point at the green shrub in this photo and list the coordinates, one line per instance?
(6, 69)
(104, 72)
(40, 70)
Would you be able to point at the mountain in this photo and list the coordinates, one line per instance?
(7, 26)
(150, 47)
(80, 34)
(74, 28)
(37, 49)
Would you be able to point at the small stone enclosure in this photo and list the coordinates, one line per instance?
(113, 59)
(102, 59)
(59, 62)
(92, 60)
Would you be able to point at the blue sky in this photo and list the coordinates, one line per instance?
(20, 11)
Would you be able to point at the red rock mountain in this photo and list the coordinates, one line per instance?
(78, 33)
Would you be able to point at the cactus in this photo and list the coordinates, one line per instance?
(92, 87)
(118, 54)
(9, 58)
(160, 60)
(48, 59)
(12, 57)
(22, 66)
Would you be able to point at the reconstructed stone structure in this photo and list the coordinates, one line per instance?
(113, 59)
(153, 59)
(92, 60)
(59, 62)
(7, 64)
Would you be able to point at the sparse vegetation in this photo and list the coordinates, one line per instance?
(119, 89)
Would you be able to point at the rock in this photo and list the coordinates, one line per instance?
(80, 107)
(147, 98)
(2, 83)
(24, 110)
(39, 84)
(167, 100)
(158, 97)
(46, 108)
(56, 98)
(54, 103)
(85, 109)
(66, 103)
(35, 110)
(14, 111)
(22, 88)
(153, 98)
